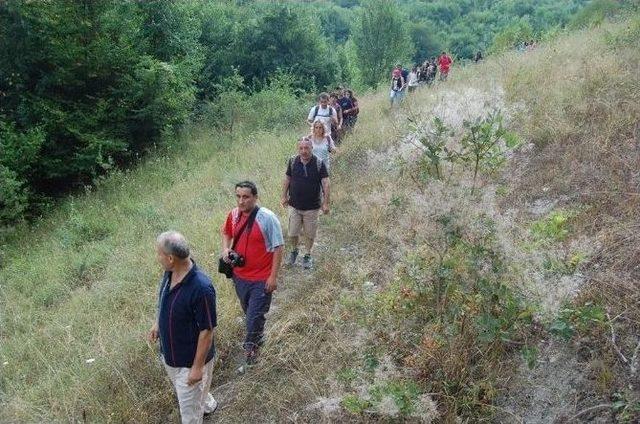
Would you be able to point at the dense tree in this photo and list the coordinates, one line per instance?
(285, 39)
(426, 41)
(86, 85)
(381, 38)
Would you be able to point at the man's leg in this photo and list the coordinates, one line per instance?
(294, 228)
(310, 225)
(209, 404)
(259, 304)
(191, 398)
(242, 291)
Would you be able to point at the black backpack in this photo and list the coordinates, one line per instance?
(332, 112)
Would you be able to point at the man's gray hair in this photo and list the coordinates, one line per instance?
(173, 243)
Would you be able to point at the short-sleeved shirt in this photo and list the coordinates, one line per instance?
(305, 183)
(183, 312)
(323, 115)
(346, 103)
(323, 149)
(257, 245)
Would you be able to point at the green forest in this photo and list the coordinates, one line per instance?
(89, 86)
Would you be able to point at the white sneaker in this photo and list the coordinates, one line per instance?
(210, 405)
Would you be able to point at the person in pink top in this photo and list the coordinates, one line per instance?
(444, 63)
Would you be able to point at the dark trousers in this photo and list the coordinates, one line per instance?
(255, 303)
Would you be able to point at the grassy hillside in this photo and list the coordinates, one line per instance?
(430, 300)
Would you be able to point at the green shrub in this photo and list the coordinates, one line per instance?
(577, 319)
(453, 294)
(354, 404)
(14, 198)
(554, 227)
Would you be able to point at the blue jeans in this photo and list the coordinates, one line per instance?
(255, 302)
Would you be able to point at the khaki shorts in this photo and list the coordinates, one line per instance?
(303, 220)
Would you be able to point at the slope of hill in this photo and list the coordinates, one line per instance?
(436, 295)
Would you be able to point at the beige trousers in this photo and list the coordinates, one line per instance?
(194, 400)
(305, 222)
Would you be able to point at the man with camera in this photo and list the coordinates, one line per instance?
(184, 325)
(252, 249)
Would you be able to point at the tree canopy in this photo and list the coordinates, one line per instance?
(89, 85)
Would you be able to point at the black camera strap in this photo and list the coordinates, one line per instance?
(247, 224)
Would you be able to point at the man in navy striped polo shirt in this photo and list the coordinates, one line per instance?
(185, 322)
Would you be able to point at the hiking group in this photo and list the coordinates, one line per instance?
(252, 252)
(403, 80)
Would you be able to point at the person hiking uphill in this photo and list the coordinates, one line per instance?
(184, 325)
(323, 112)
(322, 144)
(397, 87)
(305, 191)
(350, 109)
(252, 243)
(336, 128)
(444, 62)
(413, 82)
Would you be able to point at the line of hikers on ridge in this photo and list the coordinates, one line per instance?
(403, 80)
(252, 252)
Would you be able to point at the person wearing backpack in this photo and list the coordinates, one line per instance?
(336, 129)
(323, 112)
(252, 243)
(397, 87)
(413, 82)
(350, 109)
(322, 144)
(305, 191)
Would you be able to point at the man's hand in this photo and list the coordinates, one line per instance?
(225, 255)
(325, 209)
(284, 202)
(195, 375)
(271, 284)
(153, 333)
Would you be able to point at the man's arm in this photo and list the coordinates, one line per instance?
(204, 344)
(226, 244)
(310, 117)
(325, 195)
(272, 281)
(285, 191)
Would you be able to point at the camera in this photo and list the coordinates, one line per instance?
(236, 259)
(226, 268)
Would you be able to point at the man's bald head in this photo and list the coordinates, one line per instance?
(305, 141)
(305, 149)
(173, 243)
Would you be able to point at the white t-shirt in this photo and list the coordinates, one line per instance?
(413, 79)
(322, 148)
(324, 115)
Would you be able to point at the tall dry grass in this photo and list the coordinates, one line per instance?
(82, 283)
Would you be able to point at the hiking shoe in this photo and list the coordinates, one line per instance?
(244, 368)
(250, 359)
(261, 340)
(293, 255)
(211, 405)
(307, 262)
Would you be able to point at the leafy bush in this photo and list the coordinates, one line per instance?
(554, 227)
(453, 294)
(483, 144)
(582, 319)
(13, 196)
